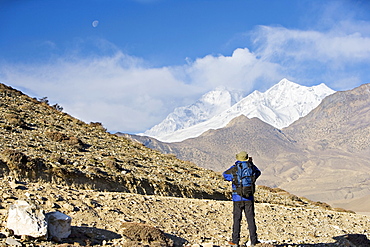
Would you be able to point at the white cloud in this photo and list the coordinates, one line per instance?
(282, 43)
(242, 70)
(323, 56)
(113, 90)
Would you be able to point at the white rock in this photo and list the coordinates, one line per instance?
(207, 245)
(12, 242)
(59, 225)
(25, 219)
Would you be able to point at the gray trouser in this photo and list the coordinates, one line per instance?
(248, 208)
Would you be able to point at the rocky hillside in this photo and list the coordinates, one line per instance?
(39, 142)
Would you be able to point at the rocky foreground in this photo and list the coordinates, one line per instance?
(125, 219)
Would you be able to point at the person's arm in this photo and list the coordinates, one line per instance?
(256, 171)
(228, 174)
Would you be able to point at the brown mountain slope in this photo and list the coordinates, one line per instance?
(336, 137)
(341, 121)
(38, 142)
(323, 156)
(216, 149)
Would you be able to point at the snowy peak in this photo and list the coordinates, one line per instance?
(282, 104)
(220, 97)
(287, 101)
(279, 106)
(209, 105)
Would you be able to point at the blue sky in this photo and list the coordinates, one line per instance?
(129, 63)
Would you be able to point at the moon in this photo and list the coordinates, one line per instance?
(95, 23)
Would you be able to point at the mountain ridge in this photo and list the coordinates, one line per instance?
(279, 106)
(210, 104)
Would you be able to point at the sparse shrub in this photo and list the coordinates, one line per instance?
(13, 158)
(56, 136)
(98, 125)
(55, 157)
(137, 233)
(14, 119)
(322, 205)
(111, 164)
(57, 107)
(44, 100)
(61, 137)
(74, 142)
(294, 198)
(342, 210)
(278, 190)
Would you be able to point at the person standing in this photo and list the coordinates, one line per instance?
(243, 201)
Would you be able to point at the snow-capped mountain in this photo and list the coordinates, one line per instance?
(209, 105)
(279, 106)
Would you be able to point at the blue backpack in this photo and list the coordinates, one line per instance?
(244, 181)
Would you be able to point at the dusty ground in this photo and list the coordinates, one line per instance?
(106, 218)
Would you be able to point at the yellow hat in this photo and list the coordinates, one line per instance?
(242, 156)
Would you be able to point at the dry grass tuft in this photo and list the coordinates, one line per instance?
(138, 233)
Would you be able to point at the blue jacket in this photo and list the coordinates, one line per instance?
(229, 175)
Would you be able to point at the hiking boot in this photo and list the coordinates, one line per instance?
(253, 245)
(233, 244)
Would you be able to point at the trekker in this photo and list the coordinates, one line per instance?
(243, 201)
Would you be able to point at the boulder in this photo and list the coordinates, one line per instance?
(12, 242)
(59, 225)
(26, 219)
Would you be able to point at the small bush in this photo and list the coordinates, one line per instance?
(111, 164)
(44, 100)
(74, 142)
(98, 125)
(56, 136)
(14, 158)
(137, 233)
(342, 210)
(57, 107)
(58, 158)
(14, 120)
(61, 137)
